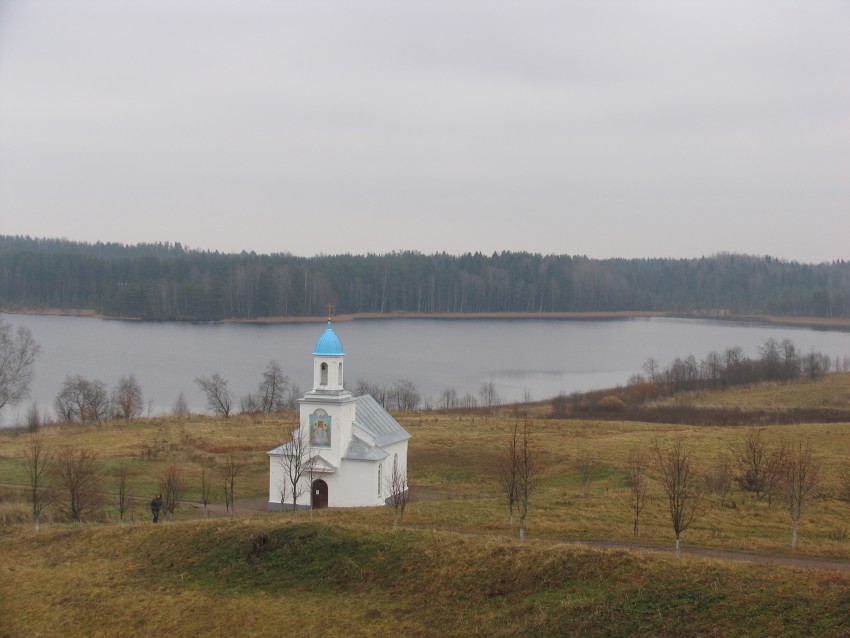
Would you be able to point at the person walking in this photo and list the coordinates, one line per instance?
(156, 505)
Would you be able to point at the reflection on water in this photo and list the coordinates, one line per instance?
(542, 357)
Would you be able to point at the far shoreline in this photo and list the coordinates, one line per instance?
(817, 323)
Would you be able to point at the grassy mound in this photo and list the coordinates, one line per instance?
(263, 576)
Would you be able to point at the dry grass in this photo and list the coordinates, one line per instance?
(264, 576)
(202, 577)
(455, 489)
(831, 392)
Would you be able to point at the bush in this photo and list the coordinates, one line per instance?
(611, 403)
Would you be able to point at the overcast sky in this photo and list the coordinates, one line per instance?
(611, 129)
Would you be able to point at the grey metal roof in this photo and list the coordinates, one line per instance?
(359, 450)
(378, 422)
(280, 450)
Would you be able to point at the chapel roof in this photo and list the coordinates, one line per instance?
(378, 422)
(359, 450)
(329, 344)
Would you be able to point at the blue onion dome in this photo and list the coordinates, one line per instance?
(329, 344)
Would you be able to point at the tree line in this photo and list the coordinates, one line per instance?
(170, 282)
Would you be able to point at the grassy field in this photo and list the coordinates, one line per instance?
(266, 574)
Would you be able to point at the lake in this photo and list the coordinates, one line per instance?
(543, 356)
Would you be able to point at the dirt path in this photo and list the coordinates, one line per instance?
(252, 506)
(256, 506)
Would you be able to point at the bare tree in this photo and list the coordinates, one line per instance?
(752, 457)
(509, 469)
(296, 464)
(405, 396)
(801, 479)
(638, 484)
(528, 474)
(172, 486)
(82, 400)
(127, 397)
(206, 490)
(489, 395)
(229, 471)
(34, 419)
(122, 474)
(448, 399)
(271, 395)
(219, 399)
(76, 476)
(35, 461)
(586, 465)
(180, 408)
(399, 491)
(774, 472)
(18, 352)
(678, 478)
(652, 369)
(718, 479)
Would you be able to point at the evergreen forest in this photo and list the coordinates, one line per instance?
(167, 281)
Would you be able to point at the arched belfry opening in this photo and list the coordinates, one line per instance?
(324, 375)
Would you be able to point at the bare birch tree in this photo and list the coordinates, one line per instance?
(528, 474)
(678, 478)
(637, 480)
(399, 491)
(489, 395)
(297, 465)
(801, 478)
(229, 471)
(509, 469)
(35, 461)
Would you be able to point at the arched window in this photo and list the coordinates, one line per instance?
(339, 375)
(395, 464)
(380, 468)
(324, 380)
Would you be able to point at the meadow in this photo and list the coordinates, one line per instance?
(455, 567)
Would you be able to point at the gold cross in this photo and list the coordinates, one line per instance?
(330, 309)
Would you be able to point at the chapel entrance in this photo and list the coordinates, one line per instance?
(320, 494)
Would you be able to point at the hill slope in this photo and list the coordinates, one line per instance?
(265, 576)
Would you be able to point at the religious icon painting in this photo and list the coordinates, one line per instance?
(320, 429)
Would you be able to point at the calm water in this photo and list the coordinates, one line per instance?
(544, 357)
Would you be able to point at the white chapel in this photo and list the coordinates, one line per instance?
(354, 443)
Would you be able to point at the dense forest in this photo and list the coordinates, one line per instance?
(167, 281)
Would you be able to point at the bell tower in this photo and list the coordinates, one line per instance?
(327, 361)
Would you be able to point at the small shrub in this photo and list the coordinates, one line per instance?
(611, 403)
(839, 534)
